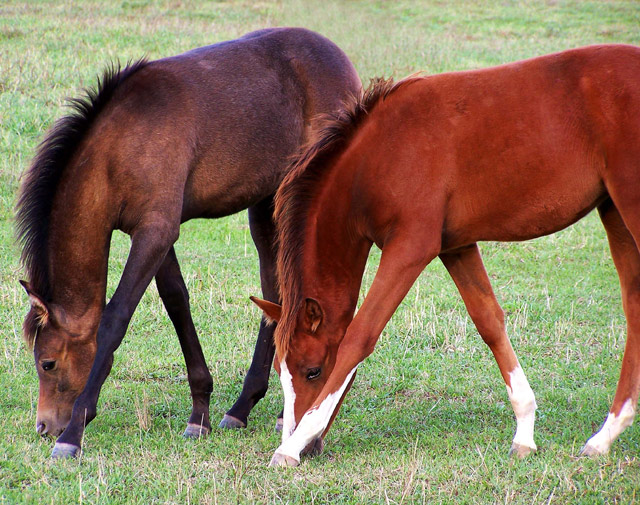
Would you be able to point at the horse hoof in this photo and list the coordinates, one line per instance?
(65, 451)
(279, 424)
(521, 451)
(283, 460)
(195, 431)
(590, 451)
(232, 423)
(314, 448)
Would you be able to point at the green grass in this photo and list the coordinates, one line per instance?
(428, 419)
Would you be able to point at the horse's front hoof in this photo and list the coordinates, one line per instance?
(314, 448)
(521, 451)
(591, 451)
(232, 423)
(64, 451)
(279, 424)
(283, 460)
(195, 431)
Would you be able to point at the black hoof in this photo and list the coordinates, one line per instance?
(231, 422)
(65, 451)
(195, 431)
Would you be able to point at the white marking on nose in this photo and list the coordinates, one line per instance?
(288, 416)
(313, 423)
(524, 406)
(612, 427)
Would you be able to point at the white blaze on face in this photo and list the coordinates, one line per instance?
(313, 423)
(524, 406)
(288, 416)
(613, 426)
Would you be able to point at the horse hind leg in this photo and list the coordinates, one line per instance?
(470, 277)
(626, 258)
(175, 298)
(256, 381)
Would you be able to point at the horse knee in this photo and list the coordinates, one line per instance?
(201, 381)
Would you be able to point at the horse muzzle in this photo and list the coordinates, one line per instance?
(314, 448)
(49, 426)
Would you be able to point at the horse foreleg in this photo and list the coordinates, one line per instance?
(402, 261)
(468, 273)
(627, 261)
(256, 381)
(149, 245)
(175, 298)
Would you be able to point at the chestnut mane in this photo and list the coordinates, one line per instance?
(296, 192)
(40, 180)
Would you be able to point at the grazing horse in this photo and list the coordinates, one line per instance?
(428, 167)
(200, 135)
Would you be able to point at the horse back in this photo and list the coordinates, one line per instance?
(507, 153)
(210, 131)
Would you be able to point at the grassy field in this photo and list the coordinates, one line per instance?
(428, 419)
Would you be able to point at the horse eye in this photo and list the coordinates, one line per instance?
(313, 373)
(48, 365)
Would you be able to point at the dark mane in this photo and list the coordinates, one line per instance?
(40, 181)
(295, 193)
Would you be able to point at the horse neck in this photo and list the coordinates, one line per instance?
(336, 247)
(78, 246)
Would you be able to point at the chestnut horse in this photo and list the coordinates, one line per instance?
(200, 135)
(428, 167)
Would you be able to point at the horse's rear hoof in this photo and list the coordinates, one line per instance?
(65, 451)
(521, 451)
(279, 424)
(231, 422)
(283, 460)
(195, 431)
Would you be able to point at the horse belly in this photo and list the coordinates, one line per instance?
(222, 191)
(522, 207)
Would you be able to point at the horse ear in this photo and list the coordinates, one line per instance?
(38, 305)
(272, 311)
(312, 314)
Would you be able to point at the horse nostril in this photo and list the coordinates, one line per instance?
(41, 428)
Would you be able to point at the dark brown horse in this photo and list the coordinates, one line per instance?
(428, 167)
(203, 134)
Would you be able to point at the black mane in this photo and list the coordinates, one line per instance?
(40, 181)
